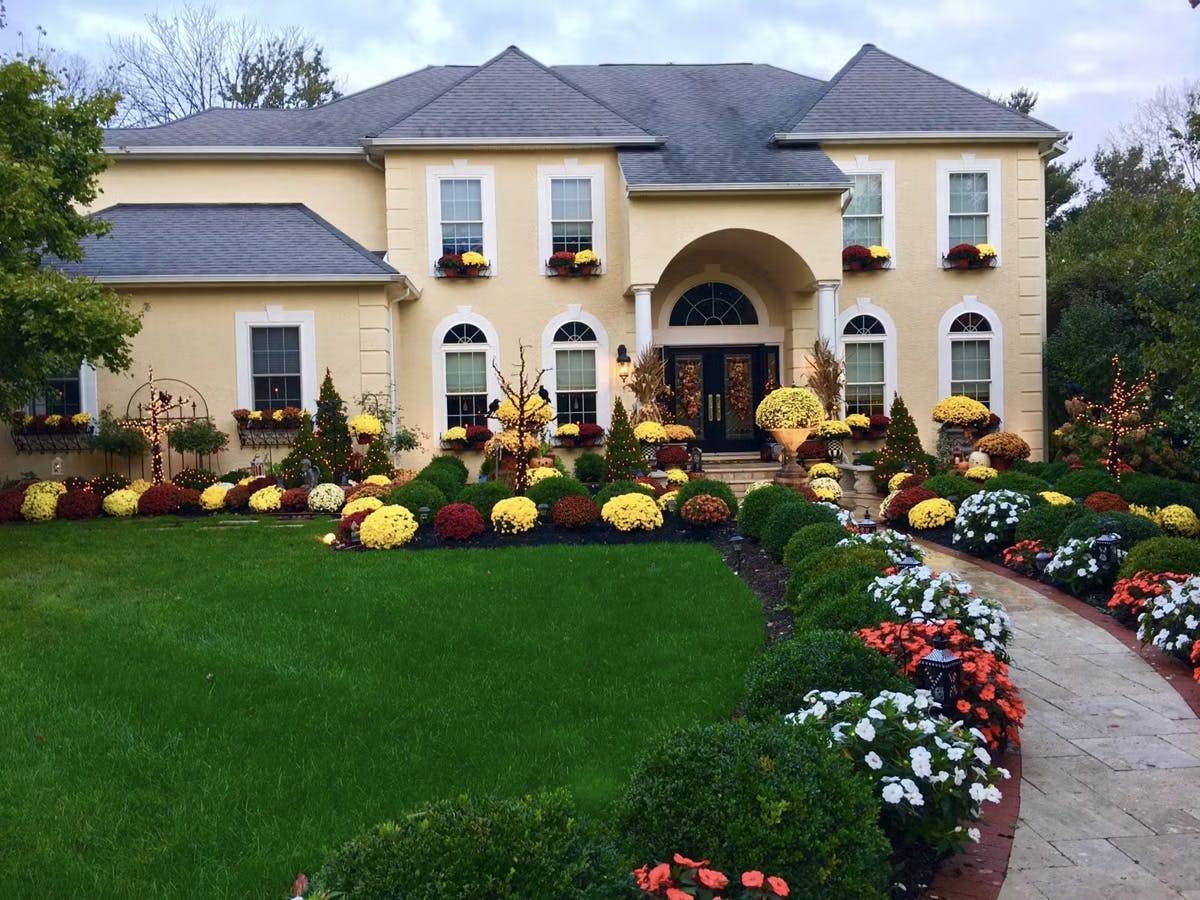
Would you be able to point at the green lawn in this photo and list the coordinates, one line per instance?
(196, 710)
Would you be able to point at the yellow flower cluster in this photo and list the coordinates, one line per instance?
(569, 430)
(1178, 519)
(766, 482)
(359, 504)
(896, 480)
(677, 477)
(931, 514)
(878, 251)
(824, 470)
(122, 503)
(985, 250)
(959, 410)
(514, 515)
(858, 420)
(80, 419)
(650, 433)
(266, 500)
(1054, 498)
(212, 497)
(381, 480)
(457, 433)
(389, 526)
(826, 488)
(789, 408)
(256, 416)
(1146, 512)
(54, 420)
(587, 258)
(507, 441)
(538, 413)
(365, 423)
(679, 433)
(536, 476)
(41, 500)
(630, 512)
(471, 258)
(667, 498)
(833, 428)
(980, 473)
(140, 486)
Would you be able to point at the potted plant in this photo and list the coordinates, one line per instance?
(365, 427)
(199, 436)
(450, 265)
(473, 264)
(858, 424)
(586, 263)
(833, 431)
(567, 435)
(878, 426)
(477, 436)
(790, 414)
(561, 262)
(1002, 448)
(455, 438)
(590, 434)
(856, 257)
(970, 256)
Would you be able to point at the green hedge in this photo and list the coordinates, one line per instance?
(551, 490)
(1082, 482)
(1163, 554)
(483, 495)
(1016, 481)
(1046, 522)
(758, 505)
(788, 518)
(417, 493)
(837, 600)
(811, 538)
(948, 485)
(1132, 529)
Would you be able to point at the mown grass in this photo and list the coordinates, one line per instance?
(200, 710)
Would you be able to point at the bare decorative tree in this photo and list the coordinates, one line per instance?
(525, 392)
(826, 375)
(1127, 410)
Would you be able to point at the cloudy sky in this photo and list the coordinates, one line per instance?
(1091, 63)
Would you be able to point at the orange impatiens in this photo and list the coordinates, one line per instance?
(690, 879)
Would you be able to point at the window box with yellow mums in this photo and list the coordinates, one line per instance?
(857, 258)
(971, 256)
(462, 265)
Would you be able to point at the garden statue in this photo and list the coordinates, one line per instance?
(256, 466)
(310, 473)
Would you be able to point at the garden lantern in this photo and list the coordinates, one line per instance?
(940, 672)
(1106, 548)
(543, 512)
(1042, 560)
(735, 551)
(907, 564)
(865, 525)
(624, 363)
(423, 514)
(696, 455)
(256, 466)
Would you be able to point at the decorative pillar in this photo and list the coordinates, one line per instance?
(827, 312)
(643, 325)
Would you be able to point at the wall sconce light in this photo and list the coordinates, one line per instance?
(624, 363)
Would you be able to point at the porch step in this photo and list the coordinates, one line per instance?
(739, 471)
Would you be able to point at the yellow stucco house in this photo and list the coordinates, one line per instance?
(267, 245)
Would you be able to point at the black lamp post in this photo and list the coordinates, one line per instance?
(1106, 548)
(940, 672)
(907, 564)
(1042, 560)
(624, 363)
(865, 525)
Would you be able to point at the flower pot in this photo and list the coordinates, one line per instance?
(560, 270)
(876, 434)
(877, 264)
(567, 443)
(856, 265)
(858, 433)
(964, 264)
(470, 272)
(586, 270)
(790, 472)
(449, 273)
(1000, 464)
(833, 449)
(364, 438)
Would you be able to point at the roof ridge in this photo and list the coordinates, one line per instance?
(412, 112)
(573, 86)
(347, 240)
(798, 117)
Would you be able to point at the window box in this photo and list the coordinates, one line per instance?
(461, 265)
(970, 256)
(52, 443)
(570, 263)
(267, 437)
(857, 258)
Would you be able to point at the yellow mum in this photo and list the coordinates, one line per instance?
(896, 480)
(536, 476)
(366, 424)
(389, 526)
(359, 504)
(667, 499)
(630, 512)
(381, 480)
(980, 473)
(471, 258)
(931, 514)
(538, 413)
(858, 420)
(1178, 519)
(140, 486)
(959, 410)
(212, 497)
(677, 433)
(122, 503)
(514, 515)
(826, 488)
(677, 477)
(1054, 498)
(833, 428)
(650, 433)
(41, 500)
(789, 408)
(266, 499)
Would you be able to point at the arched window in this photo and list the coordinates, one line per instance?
(574, 347)
(971, 357)
(864, 343)
(465, 364)
(713, 303)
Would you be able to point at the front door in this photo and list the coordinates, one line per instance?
(717, 389)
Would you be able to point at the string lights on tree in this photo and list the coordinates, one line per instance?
(1127, 411)
(532, 401)
(156, 427)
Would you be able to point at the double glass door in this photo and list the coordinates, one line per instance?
(717, 389)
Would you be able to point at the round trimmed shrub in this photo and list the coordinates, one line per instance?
(574, 511)
(788, 518)
(294, 500)
(757, 506)
(837, 600)
(121, 503)
(551, 490)
(672, 456)
(1049, 472)
(771, 796)
(458, 522)
(828, 559)
(483, 495)
(816, 660)
(442, 477)
(453, 464)
(709, 486)
(1132, 529)
(478, 849)
(1047, 521)
(1153, 490)
(418, 493)
(10, 505)
(1105, 501)
(617, 488)
(704, 509)
(589, 467)
(1083, 482)
(159, 500)
(810, 538)
(1163, 554)
(898, 507)
(1022, 482)
(196, 479)
(948, 485)
(103, 485)
(78, 504)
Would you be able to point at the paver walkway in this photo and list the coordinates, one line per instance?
(1110, 758)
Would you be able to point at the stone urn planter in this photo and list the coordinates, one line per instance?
(791, 473)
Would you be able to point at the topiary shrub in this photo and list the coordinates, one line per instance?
(103, 485)
(828, 559)
(484, 495)
(788, 518)
(1105, 501)
(458, 522)
(898, 507)
(551, 490)
(442, 477)
(709, 486)
(948, 485)
(771, 796)
(418, 493)
(196, 479)
(817, 660)
(757, 505)
(454, 464)
(1022, 482)
(1163, 554)
(810, 538)
(589, 467)
(1082, 482)
(78, 504)
(1047, 521)
(1131, 528)
(473, 849)
(1049, 472)
(837, 600)
(574, 512)
(159, 500)
(617, 488)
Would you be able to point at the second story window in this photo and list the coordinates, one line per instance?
(862, 221)
(462, 215)
(969, 208)
(571, 214)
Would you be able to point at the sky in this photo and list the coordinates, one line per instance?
(1091, 63)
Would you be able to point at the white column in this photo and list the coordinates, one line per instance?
(643, 326)
(827, 312)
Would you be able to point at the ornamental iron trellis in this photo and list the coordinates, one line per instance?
(189, 406)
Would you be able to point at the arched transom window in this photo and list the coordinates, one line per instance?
(713, 303)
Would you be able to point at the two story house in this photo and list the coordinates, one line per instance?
(268, 245)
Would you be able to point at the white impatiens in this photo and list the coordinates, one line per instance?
(1170, 620)
(987, 521)
(1075, 565)
(897, 546)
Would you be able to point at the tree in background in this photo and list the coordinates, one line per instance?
(50, 159)
(305, 446)
(333, 438)
(902, 446)
(623, 456)
(1062, 184)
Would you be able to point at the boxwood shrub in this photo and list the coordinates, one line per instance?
(837, 600)
(1153, 490)
(617, 488)
(709, 486)
(757, 506)
(788, 518)
(1163, 554)
(417, 493)
(830, 559)
(1080, 483)
(766, 796)
(589, 467)
(454, 464)
(443, 477)
(948, 485)
(1046, 522)
(535, 846)
(483, 495)
(810, 538)
(1049, 472)
(816, 660)
(1016, 481)
(551, 490)
(1131, 528)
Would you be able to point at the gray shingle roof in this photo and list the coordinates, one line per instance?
(876, 92)
(512, 96)
(223, 240)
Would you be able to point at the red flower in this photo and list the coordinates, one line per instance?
(712, 879)
(778, 886)
(752, 879)
(689, 863)
(676, 894)
(659, 877)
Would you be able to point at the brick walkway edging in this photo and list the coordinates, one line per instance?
(979, 873)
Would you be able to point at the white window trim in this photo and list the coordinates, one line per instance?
(434, 175)
(89, 399)
(968, 163)
(972, 305)
(605, 363)
(891, 377)
(570, 169)
(276, 316)
(864, 165)
(462, 316)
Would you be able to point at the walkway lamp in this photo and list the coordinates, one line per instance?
(1107, 549)
(941, 672)
(865, 525)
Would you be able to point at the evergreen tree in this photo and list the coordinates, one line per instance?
(623, 457)
(377, 461)
(902, 446)
(306, 446)
(333, 440)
